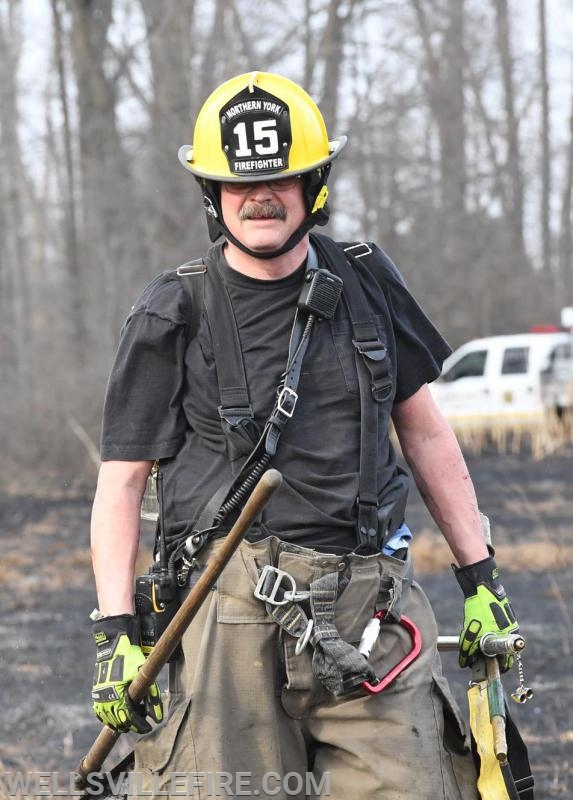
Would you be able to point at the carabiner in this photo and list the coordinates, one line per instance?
(367, 643)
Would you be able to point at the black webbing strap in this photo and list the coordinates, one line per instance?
(287, 395)
(233, 390)
(287, 391)
(516, 773)
(201, 294)
(194, 273)
(375, 384)
(520, 769)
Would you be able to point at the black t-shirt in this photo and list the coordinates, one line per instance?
(162, 399)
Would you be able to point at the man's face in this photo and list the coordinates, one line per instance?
(262, 215)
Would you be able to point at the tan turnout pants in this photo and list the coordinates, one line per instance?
(248, 718)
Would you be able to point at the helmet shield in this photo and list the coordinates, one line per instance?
(256, 133)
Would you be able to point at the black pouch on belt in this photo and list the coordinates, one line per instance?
(156, 597)
(156, 603)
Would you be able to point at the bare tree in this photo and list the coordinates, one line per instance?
(72, 253)
(169, 29)
(545, 141)
(491, 134)
(14, 289)
(515, 190)
(110, 225)
(332, 49)
(442, 38)
(565, 232)
(444, 84)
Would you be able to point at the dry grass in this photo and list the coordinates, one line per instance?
(540, 436)
(431, 555)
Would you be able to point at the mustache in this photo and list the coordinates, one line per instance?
(266, 210)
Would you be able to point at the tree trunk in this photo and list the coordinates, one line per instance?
(498, 190)
(112, 240)
(515, 190)
(332, 50)
(14, 268)
(545, 142)
(309, 50)
(565, 233)
(72, 256)
(169, 36)
(451, 118)
(445, 92)
(444, 86)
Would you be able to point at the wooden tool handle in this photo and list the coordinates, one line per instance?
(105, 741)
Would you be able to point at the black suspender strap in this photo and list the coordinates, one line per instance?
(235, 406)
(194, 273)
(235, 409)
(287, 391)
(375, 384)
(287, 395)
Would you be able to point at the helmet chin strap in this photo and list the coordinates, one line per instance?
(217, 226)
(293, 240)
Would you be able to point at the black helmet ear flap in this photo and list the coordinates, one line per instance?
(322, 216)
(316, 193)
(212, 206)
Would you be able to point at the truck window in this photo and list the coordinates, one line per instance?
(515, 361)
(561, 351)
(472, 365)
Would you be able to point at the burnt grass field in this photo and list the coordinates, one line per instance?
(47, 593)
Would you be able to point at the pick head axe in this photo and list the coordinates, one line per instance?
(102, 746)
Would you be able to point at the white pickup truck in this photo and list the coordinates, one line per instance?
(496, 381)
(557, 379)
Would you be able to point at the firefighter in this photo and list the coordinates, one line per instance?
(283, 347)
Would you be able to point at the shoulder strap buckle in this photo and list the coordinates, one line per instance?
(233, 416)
(286, 401)
(373, 349)
(195, 267)
(359, 250)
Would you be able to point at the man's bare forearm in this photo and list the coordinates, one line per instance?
(448, 492)
(115, 529)
(441, 475)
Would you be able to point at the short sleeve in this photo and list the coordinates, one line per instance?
(143, 417)
(420, 348)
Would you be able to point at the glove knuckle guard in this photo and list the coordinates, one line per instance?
(118, 660)
(486, 608)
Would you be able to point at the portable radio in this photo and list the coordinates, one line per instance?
(320, 293)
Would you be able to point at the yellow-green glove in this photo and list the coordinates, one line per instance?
(118, 660)
(486, 609)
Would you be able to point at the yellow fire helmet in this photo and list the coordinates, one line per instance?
(257, 127)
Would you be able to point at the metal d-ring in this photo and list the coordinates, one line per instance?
(304, 638)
